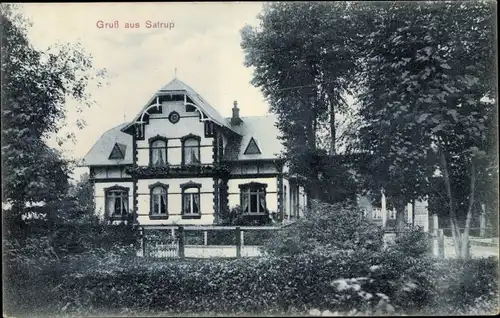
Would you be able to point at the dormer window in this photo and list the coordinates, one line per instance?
(252, 148)
(190, 150)
(158, 151)
(118, 151)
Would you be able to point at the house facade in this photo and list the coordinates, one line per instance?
(180, 162)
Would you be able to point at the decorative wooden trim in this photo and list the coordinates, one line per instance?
(279, 184)
(151, 188)
(135, 152)
(190, 136)
(190, 185)
(153, 139)
(224, 201)
(215, 200)
(254, 185)
(106, 180)
(117, 187)
(135, 200)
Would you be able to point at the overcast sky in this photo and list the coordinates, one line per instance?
(204, 46)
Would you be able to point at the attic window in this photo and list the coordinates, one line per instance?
(118, 151)
(252, 148)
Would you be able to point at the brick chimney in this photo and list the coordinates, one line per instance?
(236, 120)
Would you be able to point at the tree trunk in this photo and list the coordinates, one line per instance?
(465, 238)
(455, 229)
(400, 216)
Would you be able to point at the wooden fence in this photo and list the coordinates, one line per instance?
(204, 241)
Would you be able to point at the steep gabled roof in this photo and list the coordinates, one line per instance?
(178, 86)
(264, 132)
(99, 154)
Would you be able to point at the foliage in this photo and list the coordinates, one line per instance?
(329, 227)
(235, 216)
(35, 88)
(424, 103)
(303, 66)
(363, 280)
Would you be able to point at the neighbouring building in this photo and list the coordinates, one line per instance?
(180, 162)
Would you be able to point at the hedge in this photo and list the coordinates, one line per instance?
(260, 285)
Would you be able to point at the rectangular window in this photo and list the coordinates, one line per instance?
(253, 201)
(191, 151)
(117, 202)
(191, 203)
(159, 201)
(158, 153)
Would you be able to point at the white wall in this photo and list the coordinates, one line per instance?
(99, 195)
(174, 204)
(163, 127)
(271, 196)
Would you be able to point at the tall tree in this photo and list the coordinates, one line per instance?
(428, 72)
(35, 87)
(302, 57)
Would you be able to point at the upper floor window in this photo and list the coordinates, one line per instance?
(253, 198)
(190, 150)
(158, 151)
(158, 194)
(116, 201)
(191, 200)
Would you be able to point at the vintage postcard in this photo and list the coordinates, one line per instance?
(250, 158)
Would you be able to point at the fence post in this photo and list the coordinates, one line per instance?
(238, 241)
(205, 238)
(181, 241)
(143, 242)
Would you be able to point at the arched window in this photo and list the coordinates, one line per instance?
(191, 200)
(159, 202)
(190, 150)
(116, 201)
(253, 198)
(158, 151)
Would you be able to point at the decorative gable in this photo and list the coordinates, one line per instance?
(252, 148)
(118, 151)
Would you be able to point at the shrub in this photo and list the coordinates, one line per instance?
(337, 227)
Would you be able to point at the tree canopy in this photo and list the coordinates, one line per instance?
(35, 88)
